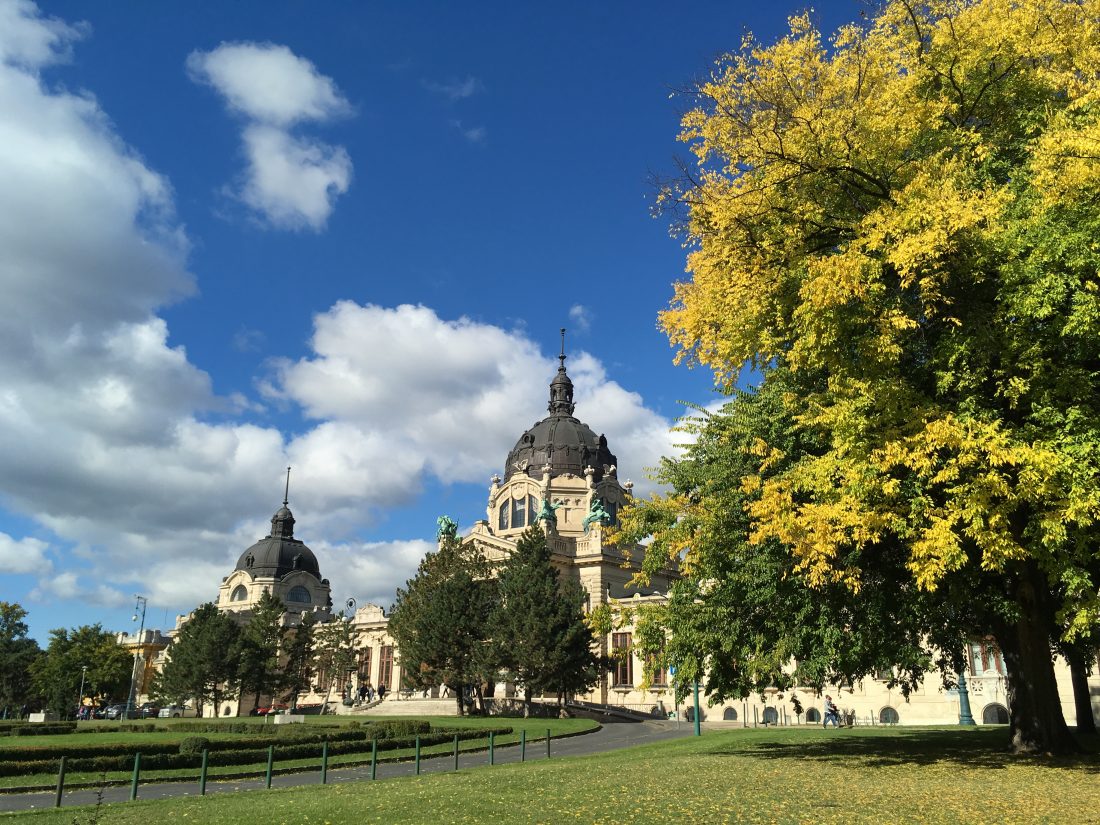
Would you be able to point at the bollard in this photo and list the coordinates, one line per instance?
(548, 743)
(755, 715)
(60, 783)
(456, 751)
(374, 759)
(324, 763)
(523, 745)
(137, 773)
(418, 754)
(202, 772)
(490, 747)
(744, 715)
(270, 762)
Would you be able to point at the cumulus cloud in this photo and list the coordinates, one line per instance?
(31, 41)
(27, 555)
(581, 316)
(451, 395)
(291, 181)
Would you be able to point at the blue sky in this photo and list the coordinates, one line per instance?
(341, 236)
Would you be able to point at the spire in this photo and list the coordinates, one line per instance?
(561, 388)
(282, 523)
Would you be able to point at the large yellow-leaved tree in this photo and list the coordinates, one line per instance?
(905, 219)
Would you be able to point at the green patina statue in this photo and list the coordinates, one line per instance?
(448, 528)
(547, 513)
(596, 513)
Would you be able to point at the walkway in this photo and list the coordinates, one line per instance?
(613, 736)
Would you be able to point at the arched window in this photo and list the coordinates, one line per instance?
(771, 716)
(995, 714)
(532, 509)
(240, 593)
(503, 516)
(888, 716)
(813, 715)
(730, 714)
(519, 511)
(298, 594)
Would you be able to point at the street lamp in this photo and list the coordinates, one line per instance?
(142, 602)
(966, 718)
(80, 693)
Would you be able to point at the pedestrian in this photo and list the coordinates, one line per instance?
(832, 713)
(362, 693)
(381, 692)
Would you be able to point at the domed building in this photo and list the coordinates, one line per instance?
(282, 566)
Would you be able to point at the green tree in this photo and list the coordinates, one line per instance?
(905, 218)
(440, 620)
(17, 653)
(260, 647)
(334, 653)
(299, 651)
(56, 674)
(539, 632)
(202, 662)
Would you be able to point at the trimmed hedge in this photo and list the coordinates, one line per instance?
(38, 729)
(220, 756)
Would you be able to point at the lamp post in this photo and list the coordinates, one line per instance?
(142, 602)
(80, 693)
(966, 718)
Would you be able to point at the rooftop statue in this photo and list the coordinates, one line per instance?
(596, 513)
(547, 513)
(448, 528)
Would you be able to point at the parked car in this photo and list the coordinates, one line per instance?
(174, 712)
(148, 710)
(276, 708)
(115, 712)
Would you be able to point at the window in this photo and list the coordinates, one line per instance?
(771, 716)
(532, 509)
(298, 594)
(613, 511)
(659, 674)
(888, 716)
(385, 666)
(813, 715)
(730, 714)
(240, 593)
(621, 644)
(503, 516)
(986, 659)
(995, 714)
(364, 665)
(519, 512)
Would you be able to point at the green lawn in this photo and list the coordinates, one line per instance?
(535, 728)
(781, 776)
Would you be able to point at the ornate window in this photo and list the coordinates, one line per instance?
(532, 509)
(385, 666)
(986, 659)
(298, 594)
(240, 593)
(621, 644)
(888, 716)
(519, 512)
(503, 515)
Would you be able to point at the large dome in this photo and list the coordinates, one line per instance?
(279, 553)
(567, 444)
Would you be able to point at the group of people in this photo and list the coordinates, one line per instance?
(367, 692)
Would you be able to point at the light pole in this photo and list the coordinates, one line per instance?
(966, 718)
(80, 693)
(142, 602)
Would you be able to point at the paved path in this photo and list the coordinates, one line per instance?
(612, 736)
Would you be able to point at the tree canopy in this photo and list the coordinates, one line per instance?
(203, 661)
(17, 653)
(56, 674)
(902, 221)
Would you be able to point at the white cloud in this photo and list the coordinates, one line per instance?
(290, 181)
(26, 555)
(370, 572)
(455, 89)
(31, 41)
(581, 316)
(473, 134)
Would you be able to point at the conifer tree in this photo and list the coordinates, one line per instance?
(539, 632)
(261, 644)
(299, 649)
(203, 661)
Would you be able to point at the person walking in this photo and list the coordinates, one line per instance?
(832, 713)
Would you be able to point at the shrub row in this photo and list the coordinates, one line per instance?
(304, 750)
(38, 729)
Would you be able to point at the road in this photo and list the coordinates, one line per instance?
(613, 735)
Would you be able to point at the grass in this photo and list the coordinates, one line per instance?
(535, 728)
(755, 776)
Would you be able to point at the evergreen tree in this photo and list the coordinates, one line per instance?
(56, 674)
(299, 650)
(441, 620)
(334, 652)
(261, 645)
(203, 662)
(539, 632)
(17, 653)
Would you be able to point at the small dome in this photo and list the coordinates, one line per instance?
(567, 444)
(279, 553)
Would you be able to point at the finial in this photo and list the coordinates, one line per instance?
(561, 357)
(286, 492)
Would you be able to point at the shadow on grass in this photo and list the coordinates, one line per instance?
(982, 748)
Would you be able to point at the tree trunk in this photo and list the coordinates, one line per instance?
(526, 702)
(1036, 723)
(1082, 699)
